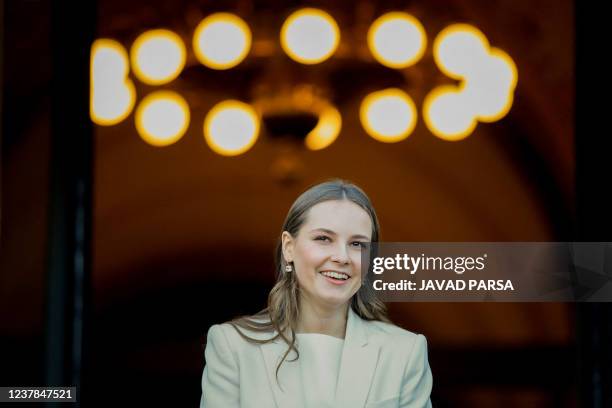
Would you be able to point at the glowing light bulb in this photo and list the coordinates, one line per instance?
(459, 50)
(448, 115)
(231, 128)
(158, 56)
(222, 41)
(397, 40)
(388, 115)
(112, 93)
(326, 131)
(162, 118)
(491, 89)
(310, 36)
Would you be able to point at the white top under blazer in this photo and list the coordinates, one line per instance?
(380, 366)
(319, 365)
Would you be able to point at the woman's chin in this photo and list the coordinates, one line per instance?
(334, 296)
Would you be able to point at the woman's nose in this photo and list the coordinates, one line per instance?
(340, 255)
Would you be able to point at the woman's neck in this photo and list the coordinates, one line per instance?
(324, 320)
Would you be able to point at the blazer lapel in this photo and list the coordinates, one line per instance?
(357, 364)
(288, 374)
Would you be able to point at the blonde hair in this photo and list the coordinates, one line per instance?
(282, 312)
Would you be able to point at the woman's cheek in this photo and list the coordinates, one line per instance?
(313, 254)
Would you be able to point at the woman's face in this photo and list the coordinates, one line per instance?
(326, 253)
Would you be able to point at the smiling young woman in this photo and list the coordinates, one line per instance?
(325, 339)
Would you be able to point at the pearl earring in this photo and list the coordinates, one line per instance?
(288, 268)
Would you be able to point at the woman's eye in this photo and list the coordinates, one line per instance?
(322, 238)
(359, 244)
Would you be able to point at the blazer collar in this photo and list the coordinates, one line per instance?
(357, 364)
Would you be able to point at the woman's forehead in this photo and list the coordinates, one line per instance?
(339, 216)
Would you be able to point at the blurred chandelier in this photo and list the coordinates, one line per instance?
(298, 96)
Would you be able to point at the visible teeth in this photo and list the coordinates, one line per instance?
(336, 275)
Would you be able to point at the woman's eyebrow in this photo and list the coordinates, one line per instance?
(360, 236)
(328, 231)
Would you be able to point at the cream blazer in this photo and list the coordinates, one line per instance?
(382, 366)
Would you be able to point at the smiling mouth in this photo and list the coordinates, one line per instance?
(337, 276)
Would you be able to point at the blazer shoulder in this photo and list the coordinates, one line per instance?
(232, 333)
(390, 333)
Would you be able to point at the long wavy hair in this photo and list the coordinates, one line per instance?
(281, 315)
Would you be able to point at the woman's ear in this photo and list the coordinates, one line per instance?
(287, 245)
